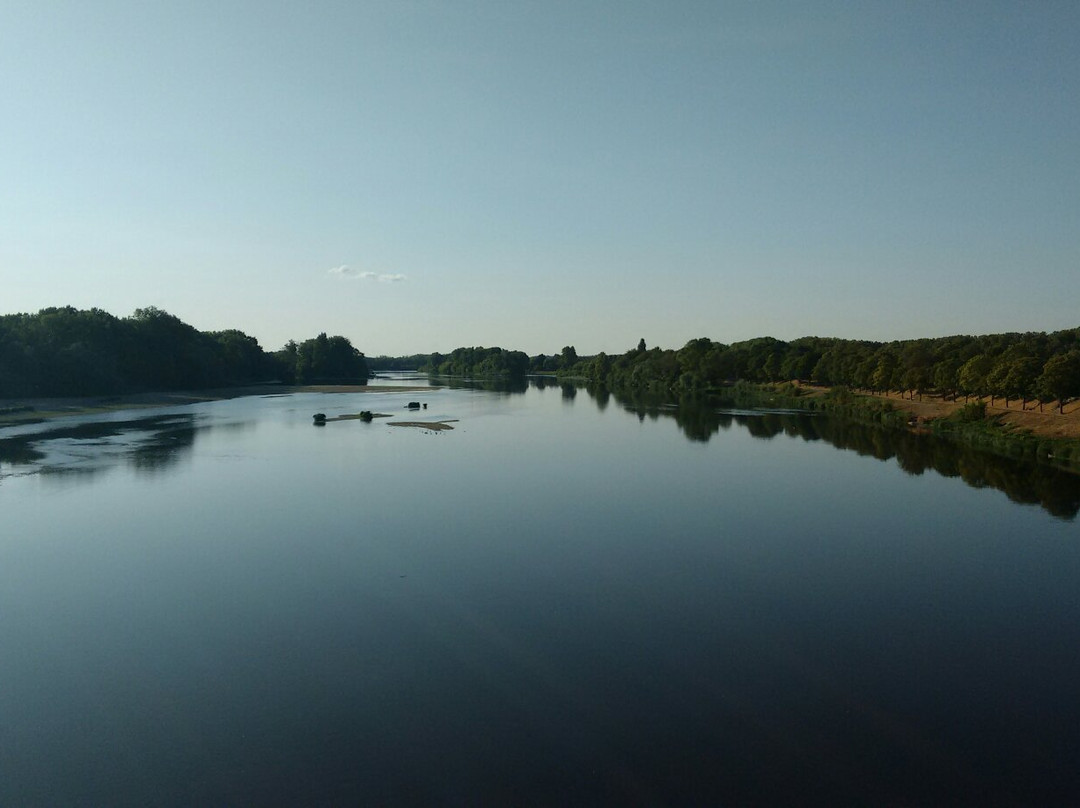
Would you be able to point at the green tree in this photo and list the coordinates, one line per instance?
(997, 381)
(882, 379)
(1023, 373)
(972, 375)
(329, 359)
(601, 367)
(946, 375)
(1060, 379)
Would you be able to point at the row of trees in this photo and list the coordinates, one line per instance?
(72, 352)
(1028, 366)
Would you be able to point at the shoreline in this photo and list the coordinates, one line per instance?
(1047, 437)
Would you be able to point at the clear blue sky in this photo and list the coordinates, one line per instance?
(424, 175)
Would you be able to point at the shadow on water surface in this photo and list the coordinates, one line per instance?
(1024, 482)
(149, 444)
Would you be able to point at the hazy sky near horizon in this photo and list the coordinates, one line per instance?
(424, 175)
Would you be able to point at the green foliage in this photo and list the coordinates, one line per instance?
(840, 395)
(328, 359)
(970, 412)
(481, 363)
(411, 362)
(1060, 378)
(71, 352)
(1008, 365)
(973, 374)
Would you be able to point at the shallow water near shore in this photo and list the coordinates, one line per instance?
(568, 598)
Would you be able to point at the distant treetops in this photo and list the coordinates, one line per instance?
(72, 352)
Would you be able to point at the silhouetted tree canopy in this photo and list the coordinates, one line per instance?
(72, 352)
(479, 362)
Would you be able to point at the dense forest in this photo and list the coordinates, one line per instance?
(1032, 366)
(72, 352)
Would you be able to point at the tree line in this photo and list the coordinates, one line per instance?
(72, 352)
(480, 363)
(67, 351)
(1032, 366)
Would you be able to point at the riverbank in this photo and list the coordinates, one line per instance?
(1048, 436)
(1047, 422)
(16, 411)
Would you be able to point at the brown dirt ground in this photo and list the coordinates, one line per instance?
(1048, 423)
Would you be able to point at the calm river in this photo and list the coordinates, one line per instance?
(567, 599)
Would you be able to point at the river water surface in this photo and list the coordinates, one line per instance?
(567, 599)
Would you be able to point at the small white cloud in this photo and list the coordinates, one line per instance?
(346, 271)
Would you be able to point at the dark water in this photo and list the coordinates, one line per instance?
(570, 598)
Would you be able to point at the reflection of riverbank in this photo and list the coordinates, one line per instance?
(148, 443)
(1023, 481)
(34, 410)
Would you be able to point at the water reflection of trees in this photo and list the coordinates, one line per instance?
(699, 418)
(506, 386)
(543, 382)
(166, 447)
(149, 444)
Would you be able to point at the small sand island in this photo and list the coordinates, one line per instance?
(437, 426)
